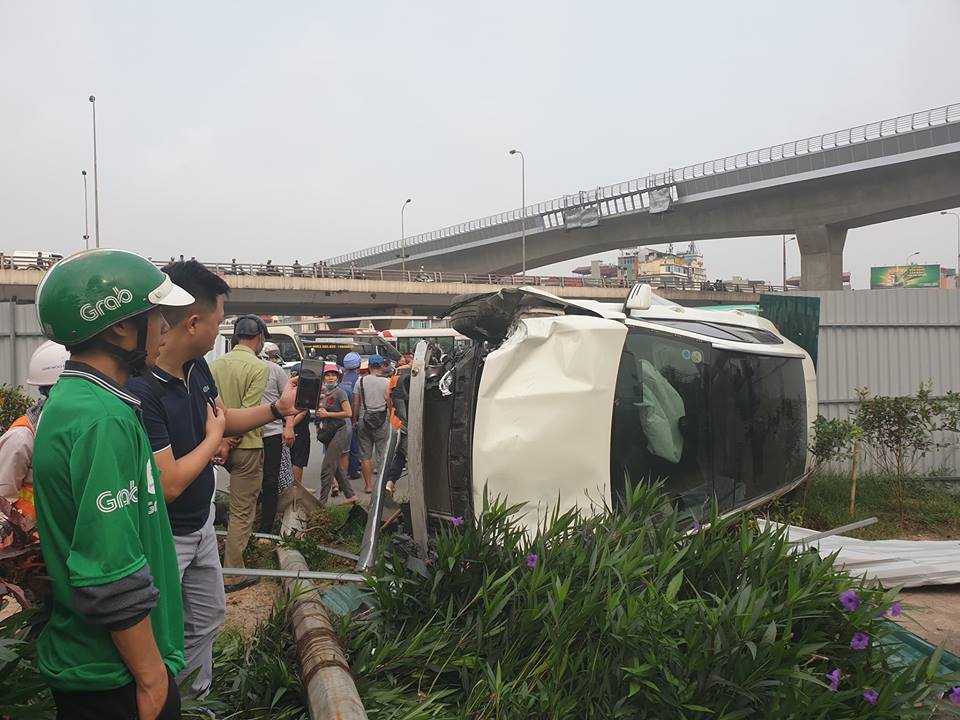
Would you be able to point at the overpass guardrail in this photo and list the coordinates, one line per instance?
(322, 270)
(633, 195)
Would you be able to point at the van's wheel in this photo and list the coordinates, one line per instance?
(480, 320)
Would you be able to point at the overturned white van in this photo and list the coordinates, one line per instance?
(559, 403)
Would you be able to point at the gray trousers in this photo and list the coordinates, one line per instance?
(331, 463)
(204, 602)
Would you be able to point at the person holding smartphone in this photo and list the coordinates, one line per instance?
(333, 409)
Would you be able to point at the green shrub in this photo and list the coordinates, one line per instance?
(899, 431)
(624, 615)
(833, 439)
(13, 403)
(23, 695)
(254, 679)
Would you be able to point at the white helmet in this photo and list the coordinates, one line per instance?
(46, 364)
(270, 348)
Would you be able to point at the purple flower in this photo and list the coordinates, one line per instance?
(896, 610)
(696, 526)
(955, 695)
(871, 696)
(587, 536)
(859, 641)
(834, 679)
(850, 600)
(456, 521)
(532, 561)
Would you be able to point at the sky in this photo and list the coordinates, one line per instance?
(296, 130)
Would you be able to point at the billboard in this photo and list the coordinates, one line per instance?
(905, 276)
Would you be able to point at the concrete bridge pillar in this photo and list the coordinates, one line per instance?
(821, 257)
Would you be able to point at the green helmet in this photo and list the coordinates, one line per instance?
(86, 293)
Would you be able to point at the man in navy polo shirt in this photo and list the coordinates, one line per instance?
(186, 421)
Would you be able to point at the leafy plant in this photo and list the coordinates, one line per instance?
(626, 615)
(23, 695)
(337, 526)
(900, 431)
(833, 439)
(13, 403)
(254, 679)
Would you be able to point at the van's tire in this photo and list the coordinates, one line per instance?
(481, 320)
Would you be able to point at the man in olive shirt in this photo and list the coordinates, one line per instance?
(115, 635)
(241, 378)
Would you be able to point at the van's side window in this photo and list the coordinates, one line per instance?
(660, 416)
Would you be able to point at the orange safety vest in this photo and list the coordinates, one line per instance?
(25, 504)
(394, 420)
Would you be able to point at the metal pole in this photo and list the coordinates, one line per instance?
(403, 239)
(96, 178)
(418, 503)
(523, 211)
(371, 534)
(86, 213)
(784, 239)
(835, 531)
(957, 218)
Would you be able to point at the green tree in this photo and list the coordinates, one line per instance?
(900, 431)
(834, 441)
(13, 403)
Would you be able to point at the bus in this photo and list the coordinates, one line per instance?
(406, 339)
(325, 343)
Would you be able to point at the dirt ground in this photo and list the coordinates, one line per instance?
(934, 614)
(250, 606)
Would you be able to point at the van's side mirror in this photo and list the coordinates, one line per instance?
(640, 298)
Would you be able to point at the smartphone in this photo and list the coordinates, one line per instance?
(310, 385)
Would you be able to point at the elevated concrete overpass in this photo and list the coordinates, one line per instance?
(387, 293)
(817, 188)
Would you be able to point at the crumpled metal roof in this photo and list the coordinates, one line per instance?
(911, 563)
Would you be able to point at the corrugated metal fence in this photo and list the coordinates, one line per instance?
(888, 341)
(19, 337)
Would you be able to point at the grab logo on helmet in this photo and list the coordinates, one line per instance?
(93, 311)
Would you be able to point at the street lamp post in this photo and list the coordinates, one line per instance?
(96, 179)
(785, 241)
(403, 237)
(86, 212)
(523, 211)
(955, 215)
(912, 255)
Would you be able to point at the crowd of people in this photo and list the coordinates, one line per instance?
(116, 463)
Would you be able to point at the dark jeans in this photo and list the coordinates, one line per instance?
(353, 468)
(272, 452)
(300, 452)
(397, 466)
(119, 704)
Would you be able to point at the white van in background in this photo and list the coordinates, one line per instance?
(285, 337)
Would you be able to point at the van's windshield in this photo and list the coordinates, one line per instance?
(706, 421)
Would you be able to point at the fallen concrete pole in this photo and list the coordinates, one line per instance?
(294, 574)
(324, 670)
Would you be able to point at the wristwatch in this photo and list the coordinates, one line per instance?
(275, 411)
